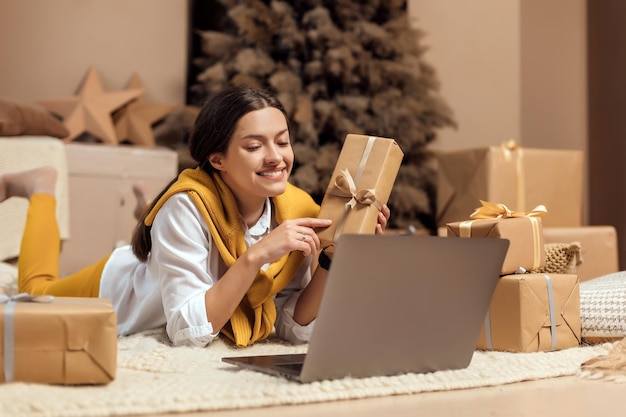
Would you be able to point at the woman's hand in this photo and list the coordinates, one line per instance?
(296, 234)
(383, 219)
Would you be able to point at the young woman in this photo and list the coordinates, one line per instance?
(226, 247)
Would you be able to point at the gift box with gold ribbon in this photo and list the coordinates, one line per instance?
(57, 340)
(533, 313)
(361, 183)
(519, 177)
(523, 230)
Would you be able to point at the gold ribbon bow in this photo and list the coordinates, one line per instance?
(500, 211)
(509, 146)
(346, 187)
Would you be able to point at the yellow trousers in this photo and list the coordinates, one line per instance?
(38, 262)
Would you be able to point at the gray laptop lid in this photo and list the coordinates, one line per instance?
(396, 303)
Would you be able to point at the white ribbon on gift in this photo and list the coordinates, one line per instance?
(552, 312)
(9, 327)
(488, 340)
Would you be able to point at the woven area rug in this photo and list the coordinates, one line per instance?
(156, 378)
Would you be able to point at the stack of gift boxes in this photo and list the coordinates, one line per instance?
(530, 197)
(522, 178)
(529, 311)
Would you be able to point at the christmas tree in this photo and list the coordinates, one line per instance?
(338, 67)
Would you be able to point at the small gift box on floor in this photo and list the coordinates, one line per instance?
(57, 340)
(361, 183)
(533, 313)
(523, 230)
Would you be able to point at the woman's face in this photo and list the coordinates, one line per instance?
(259, 157)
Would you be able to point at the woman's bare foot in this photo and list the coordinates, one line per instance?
(141, 191)
(29, 182)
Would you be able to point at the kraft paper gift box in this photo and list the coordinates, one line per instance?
(533, 313)
(57, 340)
(598, 248)
(519, 177)
(361, 183)
(525, 235)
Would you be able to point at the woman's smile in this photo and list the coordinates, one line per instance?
(274, 174)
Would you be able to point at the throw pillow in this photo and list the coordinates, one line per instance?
(603, 308)
(17, 119)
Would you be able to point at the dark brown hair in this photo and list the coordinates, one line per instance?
(212, 132)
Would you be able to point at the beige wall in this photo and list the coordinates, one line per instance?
(475, 49)
(47, 46)
(509, 69)
(554, 74)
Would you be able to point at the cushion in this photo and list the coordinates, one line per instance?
(18, 119)
(603, 308)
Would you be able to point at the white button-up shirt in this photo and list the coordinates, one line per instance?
(184, 263)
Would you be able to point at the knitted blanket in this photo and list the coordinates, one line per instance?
(154, 378)
(26, 152)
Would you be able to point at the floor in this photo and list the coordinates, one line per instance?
(565, 396)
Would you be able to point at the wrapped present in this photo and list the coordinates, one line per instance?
(361, 183)
(598, 248)
(57, 340)
(523, 230)
(519, 177)
(533, 313)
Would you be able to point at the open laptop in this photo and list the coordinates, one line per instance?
(395, 304)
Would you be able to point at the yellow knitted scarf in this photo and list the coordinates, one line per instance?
(255, 316)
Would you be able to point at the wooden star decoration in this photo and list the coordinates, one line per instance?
(90, 110)
(133, 123)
